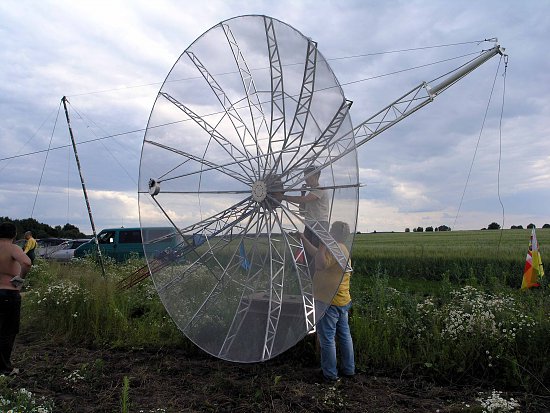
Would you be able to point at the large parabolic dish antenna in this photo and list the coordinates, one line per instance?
(244, 111)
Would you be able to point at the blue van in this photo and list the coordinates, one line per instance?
(121, 243)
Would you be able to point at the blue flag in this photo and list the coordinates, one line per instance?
(244, 261)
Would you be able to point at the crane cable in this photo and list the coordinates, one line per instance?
(478, 141)
(215, 113)
(500, 146)
(45, 161)
(87, 121)
(414, 49)
(26, 143)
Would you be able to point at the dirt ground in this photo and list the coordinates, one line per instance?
(80, 379)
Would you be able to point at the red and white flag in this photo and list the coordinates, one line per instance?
(533, 271)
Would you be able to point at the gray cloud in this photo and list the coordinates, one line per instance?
(111, 58)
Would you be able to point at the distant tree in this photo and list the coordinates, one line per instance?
(513, 227)
(419, 229)
(546, 226)
(40, 230)
(429, 229)
(358, 232)
(493, 225)
(531, 226)
(443, 228)
(407, 230)
(519, 227)
(71, 231)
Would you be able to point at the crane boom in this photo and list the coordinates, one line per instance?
(415, 99)
(406, 105)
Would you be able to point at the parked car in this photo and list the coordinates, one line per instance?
(121, 243)
(44, 246)
(65, 252)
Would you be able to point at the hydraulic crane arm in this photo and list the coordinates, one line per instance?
(417, 98)
(406, 105)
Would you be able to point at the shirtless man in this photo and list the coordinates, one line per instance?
(14, 266)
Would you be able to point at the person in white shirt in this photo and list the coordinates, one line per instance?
(314, 206)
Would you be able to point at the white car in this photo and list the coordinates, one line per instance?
(65, 251)
(45, 246)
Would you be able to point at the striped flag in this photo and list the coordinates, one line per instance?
(533, 271)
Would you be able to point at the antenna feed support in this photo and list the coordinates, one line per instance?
(464, 70)
(154, 187)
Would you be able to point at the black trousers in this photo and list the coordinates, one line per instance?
(10, 315)
(32, 255)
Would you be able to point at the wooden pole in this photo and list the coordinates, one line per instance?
(64, 100)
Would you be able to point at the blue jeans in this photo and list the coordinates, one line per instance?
(334, 324)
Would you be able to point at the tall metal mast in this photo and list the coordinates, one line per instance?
(64, 100)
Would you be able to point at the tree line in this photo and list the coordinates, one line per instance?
(492, 225)
(41, 230)
(429, 229)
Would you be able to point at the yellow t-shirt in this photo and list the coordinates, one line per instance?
(330, 280)
(29, 245)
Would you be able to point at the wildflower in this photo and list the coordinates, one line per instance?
(496, 403)
(74, 376)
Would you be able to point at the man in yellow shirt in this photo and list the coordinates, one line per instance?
(331, 292)
(30, 246)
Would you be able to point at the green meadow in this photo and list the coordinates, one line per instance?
(441, 305)
(489, 256)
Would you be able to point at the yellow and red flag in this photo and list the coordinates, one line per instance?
(533, 271)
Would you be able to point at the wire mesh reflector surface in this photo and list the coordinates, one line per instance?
(244, 111)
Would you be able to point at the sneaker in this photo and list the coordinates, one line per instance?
(331, 379)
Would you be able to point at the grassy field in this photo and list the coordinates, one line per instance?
(443, 305)
(488, 256)
(454, 243)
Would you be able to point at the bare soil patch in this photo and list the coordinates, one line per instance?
(82, 379)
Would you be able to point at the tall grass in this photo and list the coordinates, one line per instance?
(495, 336)
(74, 302)
(425, 319)
(125, 396)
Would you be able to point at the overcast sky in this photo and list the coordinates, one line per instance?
(110, 59)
